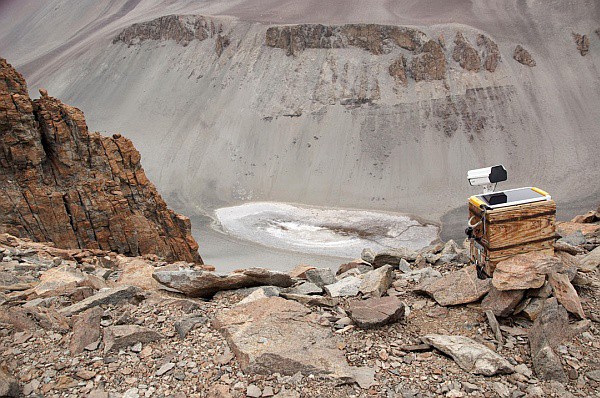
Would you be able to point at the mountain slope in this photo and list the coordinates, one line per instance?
(346, 116)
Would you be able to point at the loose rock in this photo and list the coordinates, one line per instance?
(376, 312)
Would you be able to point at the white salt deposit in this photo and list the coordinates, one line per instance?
(323, 231)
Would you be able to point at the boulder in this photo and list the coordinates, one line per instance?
(261, 293)
(368, 255)
(319, 301)
(320, 276)
(105, 296)
(591, 261)
(565, 293)
(136, 272)
(550, 329)
(533, 308)
(305, 288)
(349, 286)
(404, 266)
(524, 271)
(465, 54)
(9, 387)
(421, 275)
(86, 329)
(457, 287)
(56, 281)
(470, 355)
(299, 272)
(393, 257)
(184, 325)
(274, 335)
(377, 282)
(523, 56)
(574, 239)
(568, 227)
(361, 266)
(502, 303)
(199, 283)
(377, 311)
(589, 217)
(121, 336)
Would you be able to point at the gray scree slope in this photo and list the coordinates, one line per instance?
(223, 118)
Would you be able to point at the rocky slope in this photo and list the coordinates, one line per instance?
(79, 189)
(380, 106)
(396, 323)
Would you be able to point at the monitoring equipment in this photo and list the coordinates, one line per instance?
(487, 176)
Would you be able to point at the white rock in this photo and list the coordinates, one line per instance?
(349, 286)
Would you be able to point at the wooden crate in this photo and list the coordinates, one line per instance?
(508, 231)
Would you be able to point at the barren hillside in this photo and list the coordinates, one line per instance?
(384, 106)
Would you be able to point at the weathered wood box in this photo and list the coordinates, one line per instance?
(508, 231)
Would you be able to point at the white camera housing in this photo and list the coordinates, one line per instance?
(487, 176)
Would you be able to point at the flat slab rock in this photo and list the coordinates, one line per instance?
(376, 312)
(121, 336)
(470, 355)
(274, 335)
(524, 271)
(199, 283)
(457, 287)
(104, 296)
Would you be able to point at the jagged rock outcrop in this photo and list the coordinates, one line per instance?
(430, 64)
(523, 56)
(75, 188)
(398, 70)
(465, 54)
(491, 52)
(371, 37)
(583, 43)
(183, 29)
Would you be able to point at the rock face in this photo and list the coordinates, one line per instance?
(198, 283)
(491, 52)
(523, 56)
(370, 37)
(180, 28)
(458, 287)
(471, 356)
(78, 189)
(430, 64)
(465, 54)
(272, 335)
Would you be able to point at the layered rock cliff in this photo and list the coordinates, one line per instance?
(78, 189)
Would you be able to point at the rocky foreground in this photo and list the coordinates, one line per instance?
(83, 323)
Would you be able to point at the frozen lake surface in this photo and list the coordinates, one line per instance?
(322, 231)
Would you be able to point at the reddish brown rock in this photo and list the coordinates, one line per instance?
(589, 217)
(86, 329)
(568, 227)
(502, 303)
(370, 37)
(430, 64)
(465, 54)
(523, 56)
(565, 293)
(375, 312)
(75, 188)
(398, 70)
(457, 287)
(525, 271)
(491, 52)
(583, 43)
